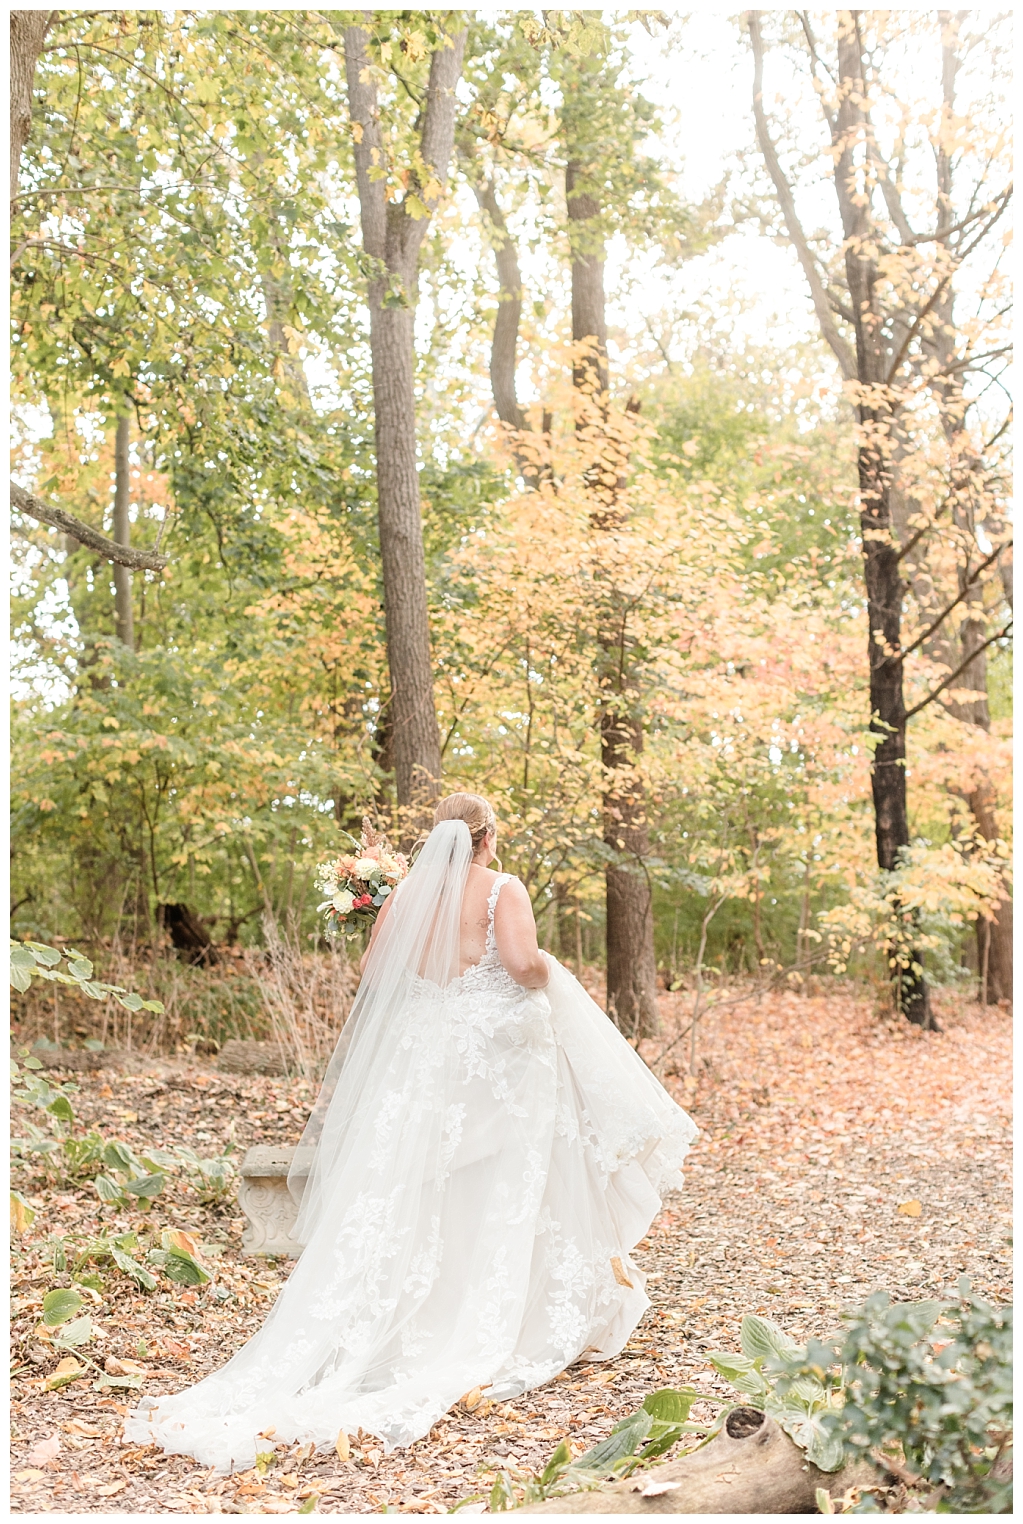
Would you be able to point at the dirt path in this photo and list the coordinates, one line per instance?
(823, 1132)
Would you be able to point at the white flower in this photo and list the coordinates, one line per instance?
(365, 866)
(343, 901)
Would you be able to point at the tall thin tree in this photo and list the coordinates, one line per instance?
(392, 235)
(631, 963)
(124, 617)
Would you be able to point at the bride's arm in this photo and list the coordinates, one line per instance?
(515, 933)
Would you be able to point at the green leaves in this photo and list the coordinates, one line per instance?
(800, 1404)
(59, 1306)
(131, 1267)
(760, 1338)
(178, 1259)
(558, 1462)
(742, 1372)
(36, 960)
(60, 1107)
(633, 1443)
(624, 1439)
(937, 1378)
(933, 1378)
(145, 1186)
(75, 1333)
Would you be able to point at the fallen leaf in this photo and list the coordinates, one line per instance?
(43, 1450)
(67, 1370)
(910, 1208)
(343, 1446)
(186, 1243)
(114, 1367)
(22, 1215)
(619, 1272)
(29, 1476)
(110, 1488)
(77, 1426)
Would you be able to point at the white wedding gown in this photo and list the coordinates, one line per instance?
(501, 1151)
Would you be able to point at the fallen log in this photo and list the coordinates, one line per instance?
(239, 1056)
(87, 1060)
(751, 1466)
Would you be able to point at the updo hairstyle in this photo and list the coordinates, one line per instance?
(477, 813)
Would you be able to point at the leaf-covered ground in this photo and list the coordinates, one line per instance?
(838, 1154)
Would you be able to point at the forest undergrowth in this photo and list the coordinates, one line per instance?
(839, 1153)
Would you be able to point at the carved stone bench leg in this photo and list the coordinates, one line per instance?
(264, 1197)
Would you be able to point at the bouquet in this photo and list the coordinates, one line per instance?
(357, 884)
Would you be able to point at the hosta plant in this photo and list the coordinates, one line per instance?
(798, 1403)
(634, 1443)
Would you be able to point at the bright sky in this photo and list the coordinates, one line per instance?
(701, 76)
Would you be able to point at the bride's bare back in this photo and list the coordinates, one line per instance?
(514, 928)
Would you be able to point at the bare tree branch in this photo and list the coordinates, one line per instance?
(509, 311)
(892, 199)
(963, 593)
(822, 305)
(137, 560)
(939, 235)
(960, 669)
(818, 63)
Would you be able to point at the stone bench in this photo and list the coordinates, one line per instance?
(264, 1197)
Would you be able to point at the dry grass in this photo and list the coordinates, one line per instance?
(306, 997)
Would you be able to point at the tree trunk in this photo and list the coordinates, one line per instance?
(751, 1466)
(631, 964)
(28, 32)
(994, 938)
(392, 237)
(969, 504)
(869, 368)
(123, 613)
(509, 310)
(882, 571)
(532, 456)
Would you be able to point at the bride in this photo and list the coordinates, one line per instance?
(484, 1153)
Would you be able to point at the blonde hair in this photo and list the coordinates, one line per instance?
(476, 811)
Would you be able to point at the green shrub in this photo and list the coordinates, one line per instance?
(927, 1385)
